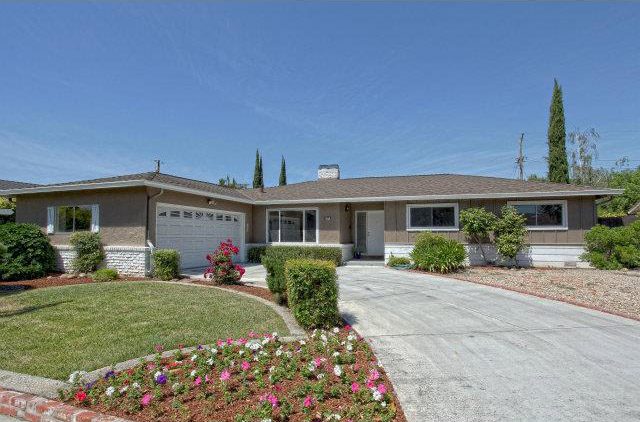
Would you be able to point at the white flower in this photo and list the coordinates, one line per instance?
(383, 404)
(241, 352)
(337, 370)
(124, 389)
(274, 335)
(336, 330)
(76, 376)
(335, 354)
(214, 350)
(311, 366)
(266, 420)
(193, 373)
(193, 358)
(320, 375)
(334, 417)
(302, 342)
(351, 337)
(110, 390)
(210, 361)
(254, 345)
(265, 341)
(135, 385)
(379, 364)
(278, 352)
(323, 337)
(156, 375)
(272, 368)
(349, 347)
(377, 396)
(288, 353)
(175, 386)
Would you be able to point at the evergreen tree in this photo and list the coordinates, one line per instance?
(557, 159)
(257, 171)
(261, 174)
(283, 172)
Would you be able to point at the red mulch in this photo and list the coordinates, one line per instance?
(50, 281)
(252, 290)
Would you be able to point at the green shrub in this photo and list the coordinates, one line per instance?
(29, 253)
(437, 253)
(105, 274)
(613, 248)
(312, 291)
(255, 253)
(398, 261)
(477, 224)
(275, 258)
(166, 264)
(88, 248)
(510, 233)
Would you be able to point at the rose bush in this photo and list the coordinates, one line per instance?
(332, 375)
(222, 270)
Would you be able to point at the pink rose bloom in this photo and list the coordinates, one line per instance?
(245, 365)
(197, 381)
(382, 389)
(146, 399)
(355, 387)
(308, 401)
(374, 374)
(225, 375)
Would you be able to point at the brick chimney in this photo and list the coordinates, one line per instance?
(328, 171)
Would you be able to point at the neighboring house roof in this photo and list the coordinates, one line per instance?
(9, 184)
(635, 209)
(422, 187)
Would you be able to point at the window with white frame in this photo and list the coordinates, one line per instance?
(543, 214)
(292, 225)
(432, 217)
(72, 218)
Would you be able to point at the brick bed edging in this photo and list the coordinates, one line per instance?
(34, 408)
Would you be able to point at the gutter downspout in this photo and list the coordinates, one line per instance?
(149, 243)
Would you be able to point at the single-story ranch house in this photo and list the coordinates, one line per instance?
(378, 216)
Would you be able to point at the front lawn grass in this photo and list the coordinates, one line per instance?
(54, 331)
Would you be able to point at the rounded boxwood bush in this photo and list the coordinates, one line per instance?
(29, 252)
(312, 291)
(105, 274)
(166, 264)
(437, 253)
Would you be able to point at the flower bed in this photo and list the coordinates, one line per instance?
(333, 375)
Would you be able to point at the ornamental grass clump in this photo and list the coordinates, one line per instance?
(221, 268)
(166, 264)
(437, 254)
(312, 291)
(331, 375)
(88, 249)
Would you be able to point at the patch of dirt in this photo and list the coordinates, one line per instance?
(608, 291)
(240, 287)
(49, 281)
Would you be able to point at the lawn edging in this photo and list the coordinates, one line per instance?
(31, 407)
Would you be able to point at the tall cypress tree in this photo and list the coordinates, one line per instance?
(283, 172)
(261, 174)
(257, 171)
(556, 135)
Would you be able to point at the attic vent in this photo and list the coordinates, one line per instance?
(328, 171)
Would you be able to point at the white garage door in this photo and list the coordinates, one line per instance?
(196, 232)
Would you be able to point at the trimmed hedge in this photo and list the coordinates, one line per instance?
(437, 253)
(255, 254)
(166, 264)
(29, 253)
(105, 274)
(312, 291)
(88, 248)
(275, 257)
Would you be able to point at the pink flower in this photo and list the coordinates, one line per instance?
(370, 384)
(317, 362)
(207, 379)
(382, 389)
(197, 381)
(272, 399)
(308, 401)
(355, 387)
(245, 365)
(220, 343)
(225, 375)
(229, 341)
(146, 399)
(374, 374)
(347, 327)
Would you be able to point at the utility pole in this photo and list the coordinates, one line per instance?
(158, 162)
(520, 160)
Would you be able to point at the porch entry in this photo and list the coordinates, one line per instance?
(370, 232)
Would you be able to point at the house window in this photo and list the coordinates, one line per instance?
(295, 226)
(432, 217)
(543, 215)
(69, 219)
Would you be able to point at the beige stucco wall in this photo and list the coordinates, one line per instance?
(581, 217)
(185, 199)
(122, 213)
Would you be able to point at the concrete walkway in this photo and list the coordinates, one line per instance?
(255, 274)
(459, 351)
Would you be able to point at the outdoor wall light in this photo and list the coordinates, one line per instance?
(211, 201)
(347, 208)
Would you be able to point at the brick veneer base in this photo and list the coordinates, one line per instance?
(38, 409)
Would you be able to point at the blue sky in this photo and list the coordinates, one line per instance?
(97, 89)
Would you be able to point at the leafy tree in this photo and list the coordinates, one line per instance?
(9, 205)
(510, 232)
(230, 183)
(258, 181)
(535, 178)
(477, 224)
(557, 159)
(629, 180)
(283, 173)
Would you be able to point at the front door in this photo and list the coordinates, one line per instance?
(375, 233)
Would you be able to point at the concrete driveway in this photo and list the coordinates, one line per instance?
(458, 351)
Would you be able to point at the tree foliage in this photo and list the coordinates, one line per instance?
(477, 224)
(556, 135)
(283, 172)
(258, 180)
(629, 180)
(510, 232)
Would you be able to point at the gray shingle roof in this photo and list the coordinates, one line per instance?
(10, 184)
